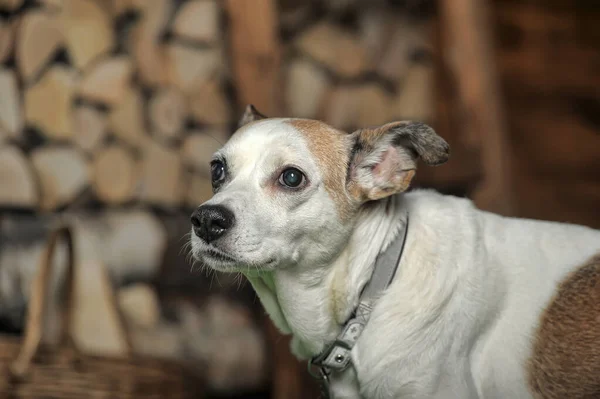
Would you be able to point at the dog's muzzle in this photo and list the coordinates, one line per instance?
(211, 222)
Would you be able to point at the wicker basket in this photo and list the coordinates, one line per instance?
(32, 370)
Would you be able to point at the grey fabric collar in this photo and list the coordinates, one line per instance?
(336, 356)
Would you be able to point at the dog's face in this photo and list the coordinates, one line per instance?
(287, 191)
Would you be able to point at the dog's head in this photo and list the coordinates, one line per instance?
(287, 191)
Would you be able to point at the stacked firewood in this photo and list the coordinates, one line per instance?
(119, 101)
(366, 68)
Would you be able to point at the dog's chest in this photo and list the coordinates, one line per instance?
(307, 310)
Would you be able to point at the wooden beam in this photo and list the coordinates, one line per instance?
(469, 53)
(255, 53)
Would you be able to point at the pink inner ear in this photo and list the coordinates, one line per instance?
(386, 169)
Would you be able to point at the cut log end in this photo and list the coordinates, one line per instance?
(16, 179)
(115, 174)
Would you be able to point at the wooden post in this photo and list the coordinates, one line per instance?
(255, 53)
(468, 47)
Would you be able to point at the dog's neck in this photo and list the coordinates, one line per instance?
(314, 302)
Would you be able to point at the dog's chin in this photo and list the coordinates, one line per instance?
(217, 262)
(227, 263)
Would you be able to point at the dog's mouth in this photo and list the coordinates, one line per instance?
(217, 254)
(222, 261)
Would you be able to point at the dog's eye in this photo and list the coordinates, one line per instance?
(292, 178)
(217, 171)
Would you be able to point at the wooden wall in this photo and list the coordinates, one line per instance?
(548, 54)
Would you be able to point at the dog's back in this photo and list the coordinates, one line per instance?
(499, 291)
(546, 333)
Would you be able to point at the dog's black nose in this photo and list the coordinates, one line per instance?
(212, 221)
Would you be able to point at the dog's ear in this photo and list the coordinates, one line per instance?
(383, 159)
(251, 114)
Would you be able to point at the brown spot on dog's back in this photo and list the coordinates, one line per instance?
(565, 362)
(331, 150)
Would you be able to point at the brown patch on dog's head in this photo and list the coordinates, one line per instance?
(373, 163)
(330, 148)
(565, 361)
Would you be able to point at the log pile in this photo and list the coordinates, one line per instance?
(123, 102)
(99, 100)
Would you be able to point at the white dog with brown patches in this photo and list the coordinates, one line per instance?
(480, 306)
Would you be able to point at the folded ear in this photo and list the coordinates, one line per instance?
(384, 159)
(251, 114)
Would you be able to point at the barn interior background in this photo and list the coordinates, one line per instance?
(110, 109)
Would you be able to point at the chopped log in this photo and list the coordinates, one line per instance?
(198, 20)
(11, 117)
(131, 243)
(39, 37)
(375, 27)
(53, 117)
(197, 188)
(208, 104)
(306, 89)
(62, 172)
(335, 48)
(7, 39)
(146, 49)
(89, 127)
(87, 29)
(115, 174)
(160, 175)
(167, 112)
(188, 67)
(407, 38)
(469, 54)
(10, 5)
(16, 179)
(415, 98)
(107, 81)
(126, 119)
(342, 107)
(139, 305)
(197, 151)
(374, 105)
(255, 53)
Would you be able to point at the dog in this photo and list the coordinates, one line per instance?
(479, 306)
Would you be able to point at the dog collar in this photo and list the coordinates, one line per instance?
(336, 356)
